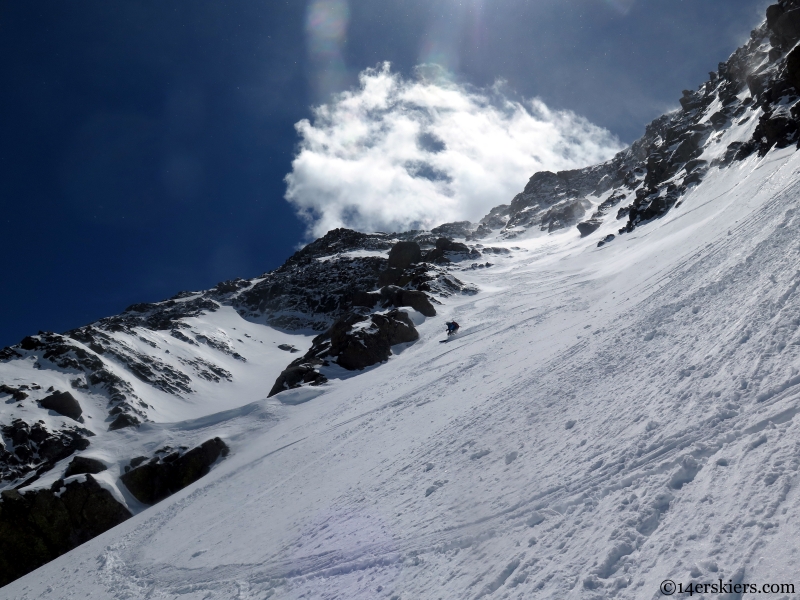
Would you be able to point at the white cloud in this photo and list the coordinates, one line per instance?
(396, 154)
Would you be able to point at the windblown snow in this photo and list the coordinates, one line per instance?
(606, 419)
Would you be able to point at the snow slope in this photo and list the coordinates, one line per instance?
(607, 418)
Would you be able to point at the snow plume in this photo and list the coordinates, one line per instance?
(398, 154)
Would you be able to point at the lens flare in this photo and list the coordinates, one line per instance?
(326, 36)
(623, 7)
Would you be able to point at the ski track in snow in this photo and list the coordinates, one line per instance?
(606, 419)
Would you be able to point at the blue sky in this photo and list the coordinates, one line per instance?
(145, 144)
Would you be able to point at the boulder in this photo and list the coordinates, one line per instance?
(41, 525)
(299, 372)
(159, 478)
(437, 255)
(450, 246)
(718, 120)
(64, 404)
(404, 254)
(398, 297)
(418, 301)
(605, 240)
(363, 347)
(81, 465)
(587, 227)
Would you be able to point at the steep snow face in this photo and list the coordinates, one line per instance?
(607, 418)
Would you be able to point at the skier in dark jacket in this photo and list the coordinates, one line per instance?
(452, 327)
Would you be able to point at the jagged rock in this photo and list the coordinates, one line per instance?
(39, 526)
(123, 420)
(160, 478)
(562, 215)
(398, 297)
(787, 28)
(445, 246)
(16, 393)
(691, 100)
(301, 371)
(655, 162)
(449, 245)
(357, 349)
(82, 464)
(773, 14)
(354, 342)
(718, 120)
(63, 403)
(608, 204)
(33, 447)
(457, 229)
(793, 68)
(776, 128)
(404, 254)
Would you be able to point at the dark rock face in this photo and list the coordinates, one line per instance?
(449, 245)
(786, 27)
(163, 476)
(793, 68)
(561, 216)
(123, 420)
(63, 403)
(404, 254)
(354, 342)
(447, 250)
(363, 347)
(39, 526)
(398, 297)
(299, 372)
(81, 465)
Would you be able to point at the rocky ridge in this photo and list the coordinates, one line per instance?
(343, 277)
(755, 90)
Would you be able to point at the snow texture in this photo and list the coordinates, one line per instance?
(608, 418)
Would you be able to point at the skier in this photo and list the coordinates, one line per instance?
(452, 327)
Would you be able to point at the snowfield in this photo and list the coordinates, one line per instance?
(606, 419)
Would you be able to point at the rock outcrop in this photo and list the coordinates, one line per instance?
(167, 473)
(40, 525)
(81, 465)
(31, 449)
(657, 170)
(63, 403)
(354, 342)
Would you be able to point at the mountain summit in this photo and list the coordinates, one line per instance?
(615, 413)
